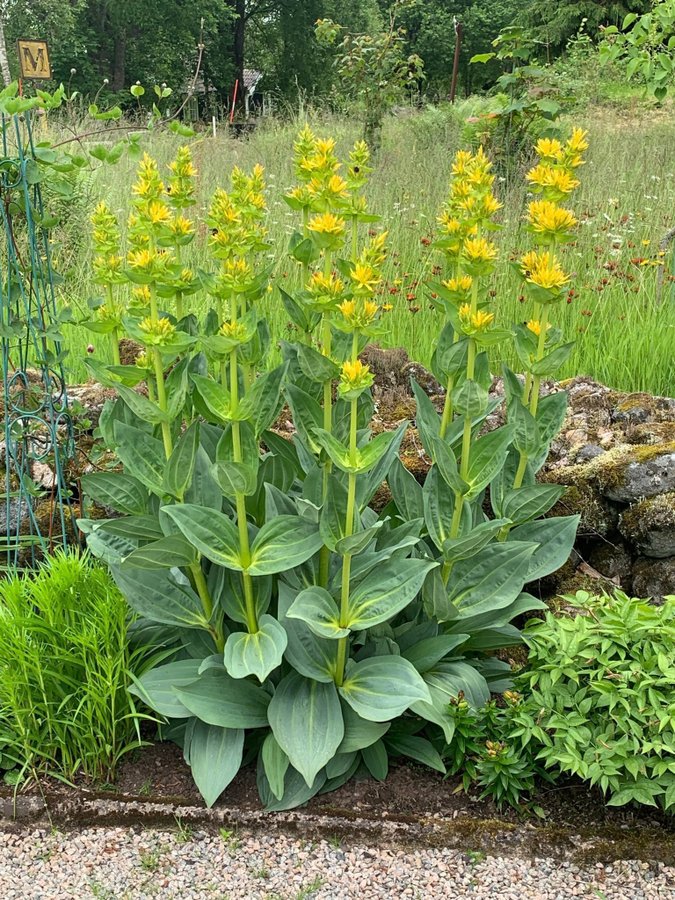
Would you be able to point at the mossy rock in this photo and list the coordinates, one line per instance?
(654, 578)
(650, 525)
(582, 498)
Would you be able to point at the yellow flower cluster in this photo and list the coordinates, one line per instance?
(106, 240)
(474, 322)
(236, 218)
(157, 332)
(554, 175)
(355, 376)
(471, 204)
(542, 269)
(322, 188)
(181, 183)
(325, 291)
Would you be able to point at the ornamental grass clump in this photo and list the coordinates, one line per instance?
(299, 626)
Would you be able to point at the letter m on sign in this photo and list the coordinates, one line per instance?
(34, 59)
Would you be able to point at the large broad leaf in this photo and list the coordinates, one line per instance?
(470, 544)
(386, 591)
(160, 595)
(258, 653)
(381, 688)
(181, 463)
(426, 653)
(317, 608)
(157, 687)
(227, 589)
(282, 544)
(494, 618)
(295, 790)
(306, 720)
(124, 493)
(211, 532)
(426, 418)
(204, 490)
(275, 763)
(376, 760)
(444, 682)
(444, 459)
(488, 455)
(416, 748)
(312, 656)
(529, 502)
(218, 699)
(262, 402)
(142, 455)
(359, 733)
(406, 491)
(216, 400)
(492, 579)
(167, 552)
(215, 758)
(555, 537)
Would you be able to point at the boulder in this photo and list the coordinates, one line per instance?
(654, 578)
(650, 526)
(638, 472)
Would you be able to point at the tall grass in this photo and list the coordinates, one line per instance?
(64, 671)
(625, 205)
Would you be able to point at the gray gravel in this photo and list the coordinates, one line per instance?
(126, 864)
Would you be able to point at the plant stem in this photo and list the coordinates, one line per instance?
(343, 643)
(116, 347)
(240, 503)
(536, 382)
(466, 435)
(324, 553)
(207, 603)
(161, 400)
(355, 239)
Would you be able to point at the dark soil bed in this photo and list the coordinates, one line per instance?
(414, 805)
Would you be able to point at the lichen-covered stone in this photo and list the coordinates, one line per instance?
(597, 517)
(650, 525)
(614, 561)
(638, 472)
(654, 578)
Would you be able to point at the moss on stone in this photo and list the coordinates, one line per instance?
(653, 514)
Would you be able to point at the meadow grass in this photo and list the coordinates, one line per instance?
(625, 205)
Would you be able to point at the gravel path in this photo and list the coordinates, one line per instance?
(123, 864)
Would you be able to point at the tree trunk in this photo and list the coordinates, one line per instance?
(238, 48)
(4, 62)
(119, 61)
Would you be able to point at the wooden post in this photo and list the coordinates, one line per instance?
(234, 100)
(459, 29)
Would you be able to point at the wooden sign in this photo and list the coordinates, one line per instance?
(34, 59)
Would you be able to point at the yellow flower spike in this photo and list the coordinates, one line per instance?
(327, 223)
(578, 143)
(149, 185)
(556, 180)
(548, 218)
(534, 325)
(481, 320)
(549, 148)
(158, 331)
(234, 330)
(181, 226)
(355, 376)
(157, 213)
(543, 270)
(461, 284)
(328, 286)
(348, 309)
(142, 293)
(479, 250)
(142, 259)
(364, 278)
(461, 165)
(336, 186)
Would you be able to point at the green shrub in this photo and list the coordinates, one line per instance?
(64, 672)
(600, 696)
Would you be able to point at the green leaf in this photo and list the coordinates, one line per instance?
(212, 533)
(444, 458)
(381, 688)
(124, 493)
(282, 544)
(165, 553)
(488, 455)
(525, 429)
(157, 687)
(306, 720)
(307, 415)
(376, 760)
(141, 407)
(470, 544)
(218, 699)
(181, 463)
(359, 733)
(296, 791)
(386, 591)
(275, 762)
(555, 537)
(493, 578)
(262, 402)
(161, 596)
(426, 653)
(529, 502)
(236, 478)
(406, 491)
(141, 455)
(216, 399)
(482, 57)
(426, 417)
(258, 653)
(416, 748)
(315, 365)
(470, 399)
(317, 608)
(215, 758)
